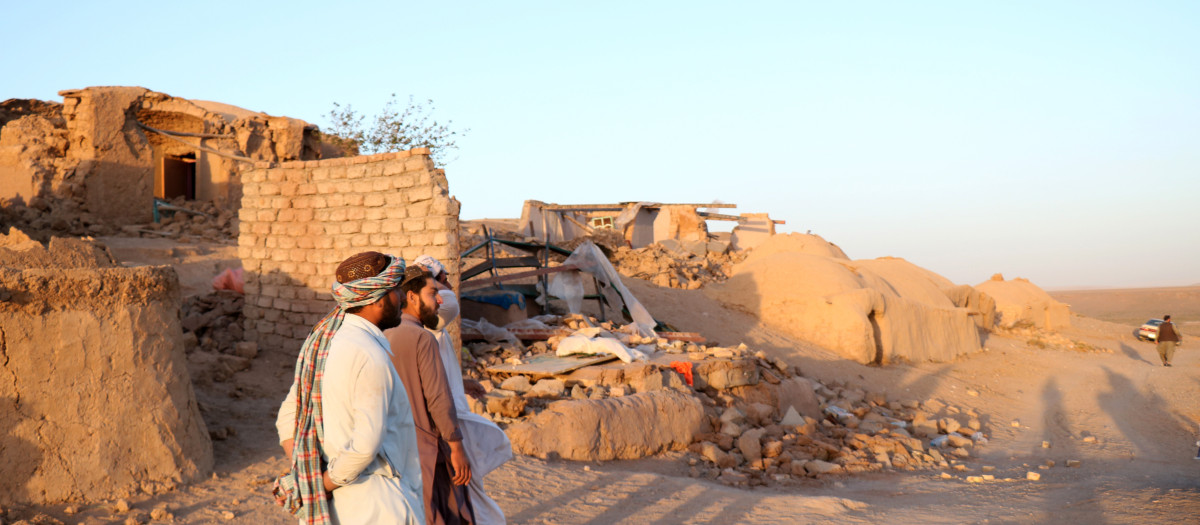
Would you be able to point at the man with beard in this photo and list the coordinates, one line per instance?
(487, 445)
(346, 424)
(444, 466)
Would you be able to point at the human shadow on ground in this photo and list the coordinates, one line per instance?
(1133, 354)
(1156, 433)
(1057, 432)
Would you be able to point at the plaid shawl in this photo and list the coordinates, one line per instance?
(303, 487)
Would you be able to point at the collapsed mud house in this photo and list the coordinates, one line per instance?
(99, 159)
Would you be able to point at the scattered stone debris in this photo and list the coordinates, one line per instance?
(678, 265)
(214, 321)
(212, 336)
(759, 422)
(202, 221)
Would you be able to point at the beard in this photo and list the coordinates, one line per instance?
(391, 315)
(429, 316)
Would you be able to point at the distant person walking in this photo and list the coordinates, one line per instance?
(1168, 339)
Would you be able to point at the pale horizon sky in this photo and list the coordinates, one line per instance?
(1055, 141)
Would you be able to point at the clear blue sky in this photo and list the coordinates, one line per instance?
(1057, 141)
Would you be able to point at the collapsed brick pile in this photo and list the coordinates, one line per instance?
(212, 223)
(766, 423)
(676, 268)
(64, 213)
(212, 335)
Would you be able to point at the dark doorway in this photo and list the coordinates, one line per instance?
(179, 176)
(878, 333)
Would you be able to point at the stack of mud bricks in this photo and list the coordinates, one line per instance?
(300, 219)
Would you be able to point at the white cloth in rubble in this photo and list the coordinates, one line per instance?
(487, 445)
(581, 343)
(370, 438)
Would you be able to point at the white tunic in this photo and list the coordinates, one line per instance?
(370, 439)
(487, 445)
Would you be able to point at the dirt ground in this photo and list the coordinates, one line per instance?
(1130, 422)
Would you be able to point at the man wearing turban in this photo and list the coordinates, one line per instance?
(346, 423)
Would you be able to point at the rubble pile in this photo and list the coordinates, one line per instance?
(212, 336)
(209, 222)
(62, 213)
(1050, 340)
(763, 423)
(670, 266)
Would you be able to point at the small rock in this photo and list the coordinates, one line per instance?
(731, 429)
(772, 449)
(122, 505)
(506, 406)
(974, 479)
(988, 477)
(517, 383)
(817, 466)
(1089, 439)
(547, 388)
(1032, 476)
(948, 425)
(750, 445)
(1073, 463)
(228, 515)
(1045, 444)
(578, 392)
(946, 475)
(987, 468)
(972, 392)
(957, 441)
(791, 418)
(71, 509)
(161, 514)
(1016, 423)
(246, 349)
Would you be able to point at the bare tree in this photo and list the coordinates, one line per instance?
(393, 129)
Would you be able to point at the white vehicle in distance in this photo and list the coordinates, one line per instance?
(1149, 330)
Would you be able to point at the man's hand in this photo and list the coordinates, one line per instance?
(472, 388)
(329, 485)
(458, 460)
(287, 448)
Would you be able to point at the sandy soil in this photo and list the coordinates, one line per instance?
(1136, 305)
(1139, 468)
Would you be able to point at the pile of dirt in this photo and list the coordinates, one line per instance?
(1020, 303)
(871, 311)
(673, 267)
(743, 418)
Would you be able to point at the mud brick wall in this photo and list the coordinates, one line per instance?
(301, 219)
(95, 398)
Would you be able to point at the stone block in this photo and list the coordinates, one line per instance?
(628, 427)
(723, 374)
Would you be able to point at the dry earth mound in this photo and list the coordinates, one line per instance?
(94, 391)
(871, 311)
(1022, 303)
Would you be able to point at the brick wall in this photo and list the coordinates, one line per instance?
(301, 219)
